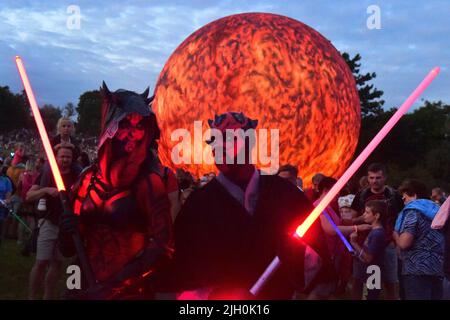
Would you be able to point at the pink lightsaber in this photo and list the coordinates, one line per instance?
(303, 228)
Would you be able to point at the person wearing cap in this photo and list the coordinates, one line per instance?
(345, 204)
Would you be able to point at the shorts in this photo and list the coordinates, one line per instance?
(47, 241)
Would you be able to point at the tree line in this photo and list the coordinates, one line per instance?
(418, 147)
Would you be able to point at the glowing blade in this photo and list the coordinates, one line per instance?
(40, 125)
(303, 228)
(339, 233)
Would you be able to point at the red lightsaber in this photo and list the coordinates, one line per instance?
(54, 168)
(303, 228)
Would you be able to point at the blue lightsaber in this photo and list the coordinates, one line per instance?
(339, 233)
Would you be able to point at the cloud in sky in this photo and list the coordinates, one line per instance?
(127, 43)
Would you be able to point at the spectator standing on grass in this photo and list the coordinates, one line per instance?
(372, 252)
(14, 172)
(378, 190)
(5, 194)
(48, 254)
(27, 179)
(421, 246)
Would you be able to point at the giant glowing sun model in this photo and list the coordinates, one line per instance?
(274, 69)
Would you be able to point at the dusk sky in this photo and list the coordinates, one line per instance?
(127, 43)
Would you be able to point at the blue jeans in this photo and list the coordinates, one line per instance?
(421, 287)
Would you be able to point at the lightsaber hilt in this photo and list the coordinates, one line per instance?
(275, 264)
(84, 262)
(267, 274)
(11, 211)
(23, 223)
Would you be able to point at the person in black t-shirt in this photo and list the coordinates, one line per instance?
(47, 254)
(378, 190)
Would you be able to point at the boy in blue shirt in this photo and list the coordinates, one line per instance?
(372, 251)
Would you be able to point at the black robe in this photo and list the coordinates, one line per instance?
(219, 244)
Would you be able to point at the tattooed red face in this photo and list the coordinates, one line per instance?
(131, 131)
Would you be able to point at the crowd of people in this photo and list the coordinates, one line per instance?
(400, 234)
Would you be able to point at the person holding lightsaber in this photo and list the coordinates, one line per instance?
(121, 202)
(47, 251)
(227, 231)
(121, 229)
(15, 216)
(304, 227)
(337, 243)
(58, 179)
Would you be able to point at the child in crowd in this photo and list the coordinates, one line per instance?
(372, 251)
(345, 204)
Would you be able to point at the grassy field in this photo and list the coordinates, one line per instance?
(14, 271)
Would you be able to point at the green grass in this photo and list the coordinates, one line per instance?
(14, 271)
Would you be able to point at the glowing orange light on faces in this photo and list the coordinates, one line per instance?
(274, 69)
(40, 125)
(131, 130)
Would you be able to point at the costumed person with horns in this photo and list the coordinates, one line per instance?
(228, 231)
(120, 203)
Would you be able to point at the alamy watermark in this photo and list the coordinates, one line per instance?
(374, 19)
(73, 21)
(229, 149)
(74, 279)
(374, 279)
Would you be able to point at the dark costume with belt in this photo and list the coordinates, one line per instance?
(123, 217)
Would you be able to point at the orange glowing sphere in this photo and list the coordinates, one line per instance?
(274, 69)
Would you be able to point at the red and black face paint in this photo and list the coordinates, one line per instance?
(132, 133)
(117, 110)
(233, 127)
(129, 131)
